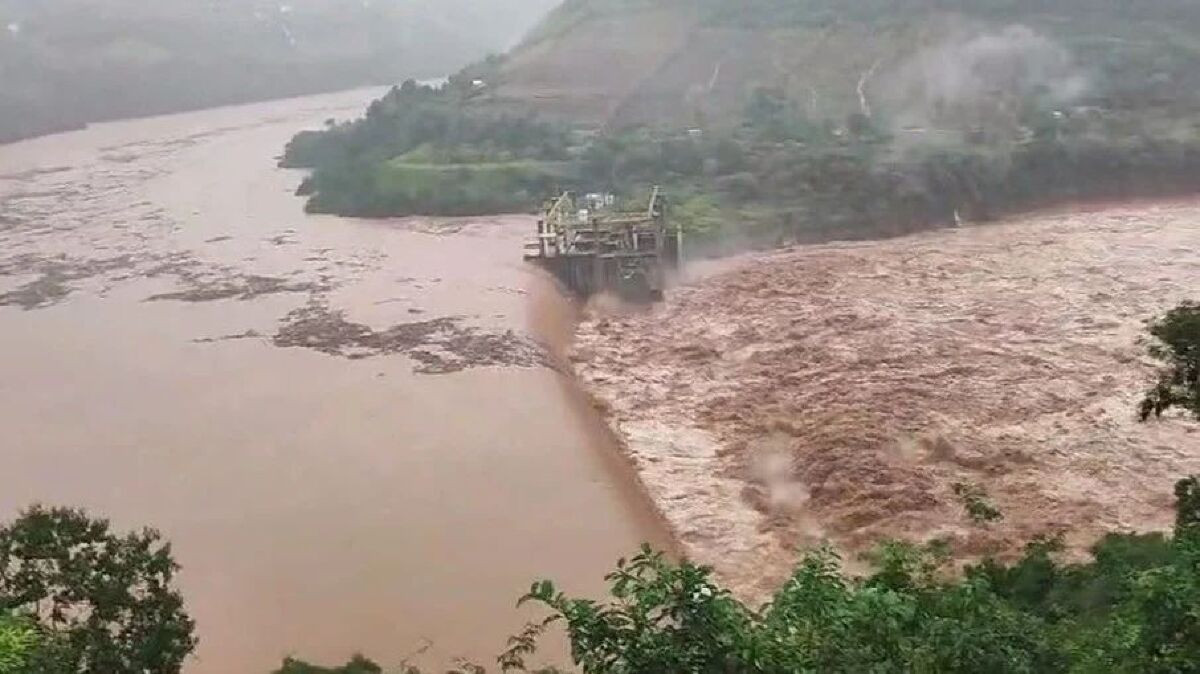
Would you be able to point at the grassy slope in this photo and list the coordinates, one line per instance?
(959, 124)
(583, 62)
(677, 62)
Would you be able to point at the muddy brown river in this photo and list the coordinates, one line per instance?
(351, 430)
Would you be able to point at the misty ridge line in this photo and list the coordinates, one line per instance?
(981, 78)
(68, 63)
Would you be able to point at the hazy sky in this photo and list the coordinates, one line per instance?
(67, 62)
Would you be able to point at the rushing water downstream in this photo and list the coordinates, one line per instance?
(346, 428)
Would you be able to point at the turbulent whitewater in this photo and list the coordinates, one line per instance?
(835, 393)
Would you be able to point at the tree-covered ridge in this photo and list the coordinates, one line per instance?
(779, 120)
(427, 150)
(431, 125)
(779, 175)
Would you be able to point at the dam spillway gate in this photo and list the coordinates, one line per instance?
(591, 247)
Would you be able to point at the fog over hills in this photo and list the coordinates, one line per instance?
(696, 62)
(782, 120)
(64, 63)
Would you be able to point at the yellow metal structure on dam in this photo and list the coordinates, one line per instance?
(592, 247)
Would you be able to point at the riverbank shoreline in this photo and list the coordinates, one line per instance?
(345, 428)
(835, 393)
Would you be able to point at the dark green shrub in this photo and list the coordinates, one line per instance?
(106, 602)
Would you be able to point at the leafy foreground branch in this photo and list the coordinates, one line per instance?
(1134, 608)
(1177, 346)
(76, 598)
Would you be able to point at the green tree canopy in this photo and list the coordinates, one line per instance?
(1177, 346)
(108, 600)
(357, 665)
(18, 641)
(1134, 608)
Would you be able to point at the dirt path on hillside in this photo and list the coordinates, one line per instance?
(837, 392)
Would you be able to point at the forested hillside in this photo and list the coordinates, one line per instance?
(68, 62)
(693, 60)
(776, 120)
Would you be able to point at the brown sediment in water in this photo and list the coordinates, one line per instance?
(837, 392)
(274, 412)
(554, 316)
